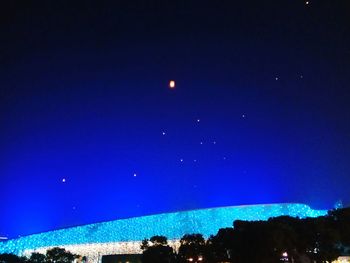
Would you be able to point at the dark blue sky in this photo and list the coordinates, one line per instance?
(85, 98)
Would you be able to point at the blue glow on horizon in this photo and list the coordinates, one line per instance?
(171, 225)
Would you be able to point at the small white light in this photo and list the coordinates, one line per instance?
(135, 174)
(63, 180)
(276, 78)
(198, 120)
(200, 258)
(172, 84)
(163, 133)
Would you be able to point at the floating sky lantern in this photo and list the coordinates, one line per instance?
(172, 84)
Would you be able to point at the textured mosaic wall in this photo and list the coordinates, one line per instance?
(107, 235)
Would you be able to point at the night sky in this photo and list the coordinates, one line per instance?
(90, 130)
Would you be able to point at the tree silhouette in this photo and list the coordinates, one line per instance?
(11, 258)
(156, 250)
(219, 247)
(341, 219)
(59, 255)
(37, 258)
(192, 248)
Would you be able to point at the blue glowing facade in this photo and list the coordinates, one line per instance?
(171, 225)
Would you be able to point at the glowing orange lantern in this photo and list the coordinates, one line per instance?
(172, 84)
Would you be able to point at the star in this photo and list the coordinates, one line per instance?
(214, 142)
(201, 143)
(163, 133)
(63, 180)
(307, 2)
(243, 115)
(195, 160)
(135, 174)
(198, 120)
(224, 157)
(301, 76)
(276, 78)
(181, 160)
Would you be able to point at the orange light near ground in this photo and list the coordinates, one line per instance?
(172, 84)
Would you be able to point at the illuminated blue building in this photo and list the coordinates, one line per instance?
(124, 236)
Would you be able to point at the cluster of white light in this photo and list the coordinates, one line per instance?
(95, 251)
(345, 259)
(126, 234)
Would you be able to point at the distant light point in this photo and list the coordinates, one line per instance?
(198, 120)
(224, 158)
(195, 160)
(201, 143)
(63, 180)
(214, 142)
(301, 76)
(307, 2)
(163, 133)
(135, 174)
(243, 115)
(276, 78)
(172, 84)
(181, 160)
